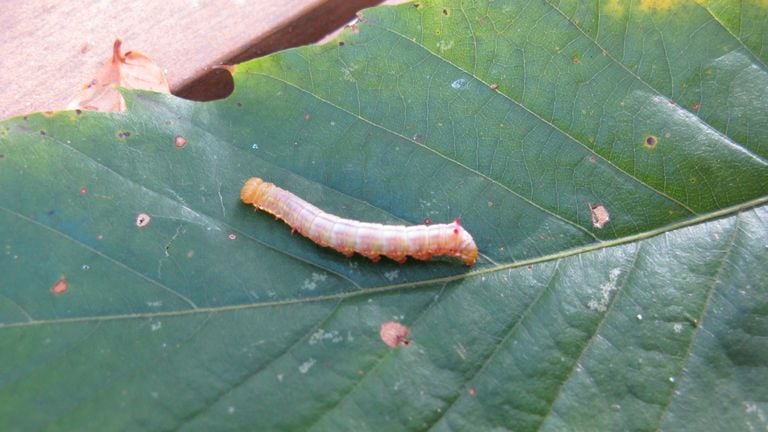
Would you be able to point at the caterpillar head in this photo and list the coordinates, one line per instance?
(253, 190)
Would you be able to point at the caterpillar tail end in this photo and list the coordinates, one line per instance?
(467, 250)
(470, 257)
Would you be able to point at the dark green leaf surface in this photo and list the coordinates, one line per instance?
(518, 117)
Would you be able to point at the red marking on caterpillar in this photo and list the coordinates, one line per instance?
(347, 236)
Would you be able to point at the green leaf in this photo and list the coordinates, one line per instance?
(522, 118)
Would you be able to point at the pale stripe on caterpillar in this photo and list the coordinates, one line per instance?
(350, 236)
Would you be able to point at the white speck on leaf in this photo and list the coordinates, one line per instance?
(460, 84)
(753, 408)
(321, 335)
(307, 365)
(606, 289)
(397, 385)
(231, 410)
(347, 72)
(392, 275)
(444, 45)
(156, 326)
(311, 284)
(677, 328)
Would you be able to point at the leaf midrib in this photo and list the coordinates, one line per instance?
(387, 288)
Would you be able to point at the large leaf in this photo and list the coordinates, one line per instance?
(520, 117)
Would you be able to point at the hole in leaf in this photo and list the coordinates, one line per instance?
(143, 220)
(394, 334)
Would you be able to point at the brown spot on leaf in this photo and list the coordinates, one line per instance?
(576, 59)
(600, 215)
(394, 334)
(232, 236)
(123, 134)
(180, 141)
(190, 253)
(427, 221)
(60, 286)
(100, 237)
(307, 116)
(446, 12)
(696, 106)
(650, 141)
(341, 43)
(494, 86)
(472, 392)
(143, 220)
(42, 132)
(84, 191)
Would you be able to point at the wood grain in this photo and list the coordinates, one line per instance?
(51, 48)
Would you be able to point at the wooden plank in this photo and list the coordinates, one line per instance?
(51, 48)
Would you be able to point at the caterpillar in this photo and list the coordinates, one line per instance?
(347, 236)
